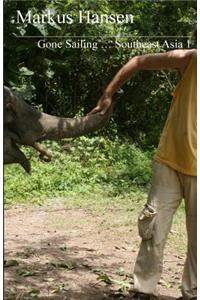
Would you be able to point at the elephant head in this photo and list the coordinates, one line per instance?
(24, 125)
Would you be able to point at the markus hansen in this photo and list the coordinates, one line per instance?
(84, 16)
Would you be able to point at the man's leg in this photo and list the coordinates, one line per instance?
(165, 196)
(189, 281)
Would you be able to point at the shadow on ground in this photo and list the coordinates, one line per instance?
(54, 269)
(70, 255)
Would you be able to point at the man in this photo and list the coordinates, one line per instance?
(174, 172)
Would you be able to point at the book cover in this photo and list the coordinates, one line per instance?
(71, 224)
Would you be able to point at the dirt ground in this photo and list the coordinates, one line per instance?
(57, 253)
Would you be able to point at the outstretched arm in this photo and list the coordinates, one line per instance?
(176, 59)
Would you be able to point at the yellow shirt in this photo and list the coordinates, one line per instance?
(177, 147)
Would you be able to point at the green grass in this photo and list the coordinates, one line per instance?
(92, 167)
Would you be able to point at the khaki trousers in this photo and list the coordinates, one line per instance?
(168, 188)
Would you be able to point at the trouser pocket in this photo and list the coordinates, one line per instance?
(146, 221)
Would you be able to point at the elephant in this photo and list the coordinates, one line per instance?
(25, 125)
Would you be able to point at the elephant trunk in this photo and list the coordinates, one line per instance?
(56, 128)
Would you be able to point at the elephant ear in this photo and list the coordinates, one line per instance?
(9, 109)
(12, 153)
